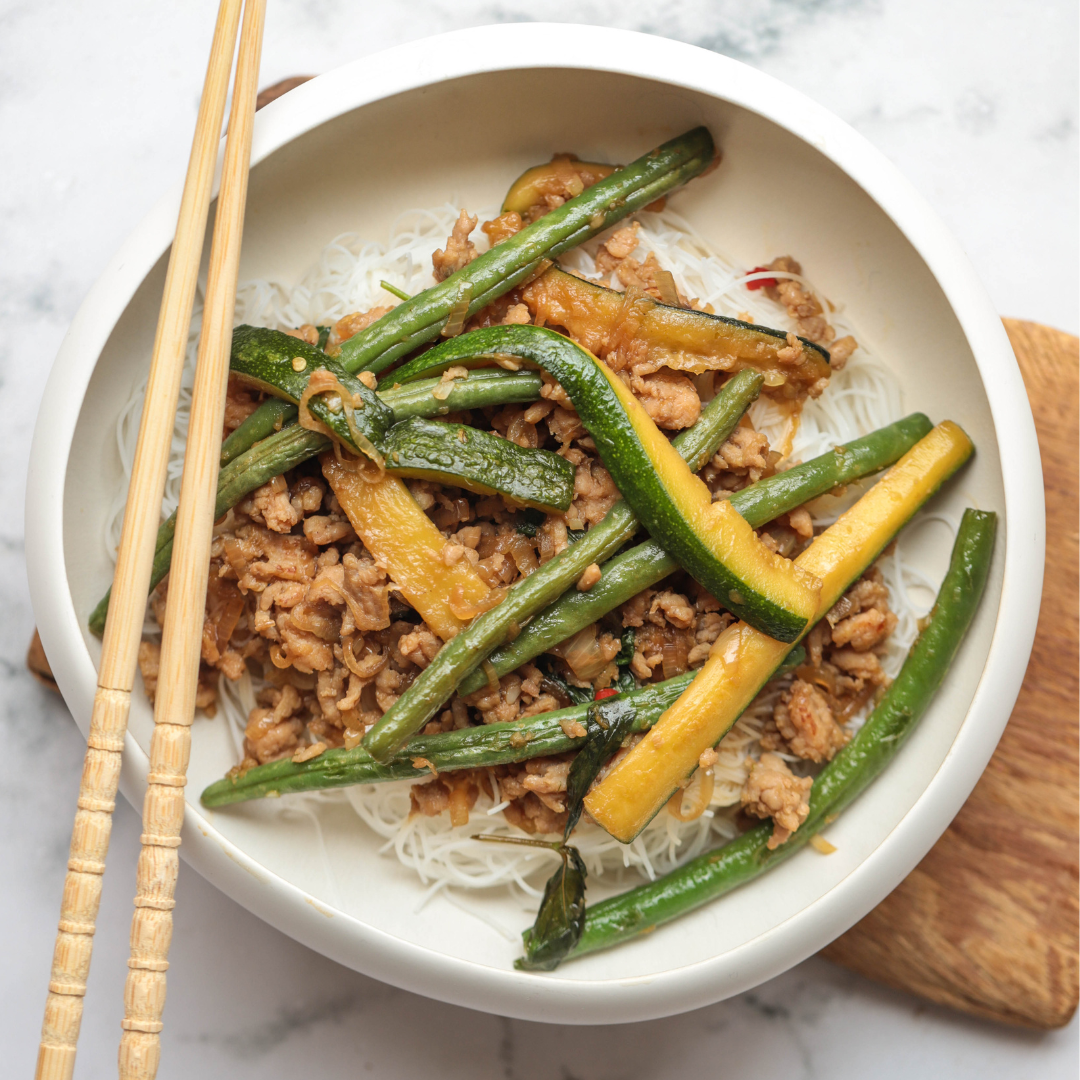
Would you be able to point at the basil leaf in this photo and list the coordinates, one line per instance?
(626, 653)
(607, 723)
(561, 917)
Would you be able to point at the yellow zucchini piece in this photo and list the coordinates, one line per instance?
(404, 539)
(564, 177)
(650, 335)
(743, 659)
(764, 577)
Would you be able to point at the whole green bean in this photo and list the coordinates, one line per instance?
(422, 318)
(627, 574)
(709, 876)
(480, 389)
(466, 748)
(466, 652)
(255, 467)
(449, 751)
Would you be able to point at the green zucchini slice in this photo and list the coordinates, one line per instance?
(710, 540)
(674, 337)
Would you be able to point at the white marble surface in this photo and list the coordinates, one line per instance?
(975, 100)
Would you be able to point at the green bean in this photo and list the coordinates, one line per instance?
(255, 467)
(715, 873)
(479, 390)
(449, 751)
(466, 748)
(628, 574)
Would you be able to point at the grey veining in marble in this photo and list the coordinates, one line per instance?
(976, 102)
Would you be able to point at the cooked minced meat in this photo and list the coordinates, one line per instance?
(773, 791)
(297, 600)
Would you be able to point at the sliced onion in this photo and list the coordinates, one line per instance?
(665, 285)
(676, 657)
(367, 667)
(523, 433)
(524, 555)
(322, 382)
(701, 790)
(583, 654)
(455, 321)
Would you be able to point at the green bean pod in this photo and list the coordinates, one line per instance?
(466, 748)
(715, 873)
(627, 574)
(280, 450)
(479, 390)
(449, 751)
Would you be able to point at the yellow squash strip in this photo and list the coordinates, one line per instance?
(720, 527)
(401, 537)
(649, 335)
(742, 659)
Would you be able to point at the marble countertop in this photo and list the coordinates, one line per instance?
(975, 101)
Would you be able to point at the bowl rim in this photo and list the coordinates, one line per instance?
(413, 967)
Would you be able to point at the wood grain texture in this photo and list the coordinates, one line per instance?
(131, 580)
(181, 633)
(987, 922)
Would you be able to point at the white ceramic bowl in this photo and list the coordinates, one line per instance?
(461, 115)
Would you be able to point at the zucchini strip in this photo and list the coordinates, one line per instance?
(627, 574)
(877, 742)
(675, 337)
(743, 659)
(438, 681)
(404, 539)
(478, 461)
(428, 449)
(417, 321)
(710, 540)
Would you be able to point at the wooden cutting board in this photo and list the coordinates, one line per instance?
(987, 922)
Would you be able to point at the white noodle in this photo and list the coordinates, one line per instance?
(346, 277)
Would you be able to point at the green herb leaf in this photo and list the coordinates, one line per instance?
(626, 653)
(608, 723)
(575, 695)
(324, 336)
(528, 521)
(561, 917)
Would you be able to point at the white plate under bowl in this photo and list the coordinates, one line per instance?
(460, 116)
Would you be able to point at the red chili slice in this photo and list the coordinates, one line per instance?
(753, 286)
(601, 694)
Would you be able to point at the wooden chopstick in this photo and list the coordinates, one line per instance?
(181, 640)
(131, 580)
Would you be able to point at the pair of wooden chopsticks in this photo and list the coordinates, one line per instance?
(163, 809)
